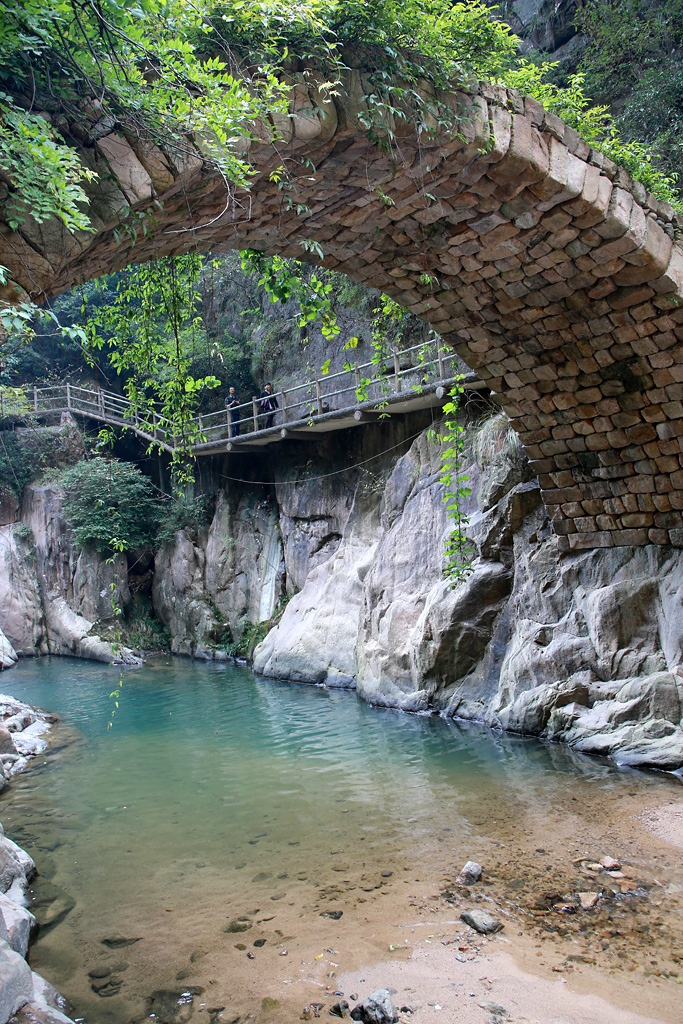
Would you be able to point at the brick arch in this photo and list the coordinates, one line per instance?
(541, 262)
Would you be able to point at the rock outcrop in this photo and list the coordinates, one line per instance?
(22, 991)
(586, 649)
(583, 648)
(206, 589)
(51, 593)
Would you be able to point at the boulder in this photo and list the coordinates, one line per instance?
(19, 922)
(6, 740)
(376, 1009)
(16, 982)
(470, 874)
(10, 868)
(481, 921)
(8, 656)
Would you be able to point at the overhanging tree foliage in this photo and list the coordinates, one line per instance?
(109, 504)
(168, 70)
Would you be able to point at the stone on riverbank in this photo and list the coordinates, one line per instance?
(481, 921)
(376, 1009)
(470, 874)
(19, 922)
(6, 741)
(16, 983)
(238, 924)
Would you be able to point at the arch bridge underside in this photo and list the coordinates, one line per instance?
(553, 275)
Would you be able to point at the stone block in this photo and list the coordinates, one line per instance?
(587, 541)
(19, 923)
(668, 520)
(576, 144)
(585, 200)
(554, 182)
(618, 216)
(155, 163)
(598, 210)
(130, 175)
(16, 983)
(633, 520)
(672, 278)
(527, 158)
(629, 537)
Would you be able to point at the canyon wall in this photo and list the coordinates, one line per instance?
(339, 561)
(586, 649)
(51, 593)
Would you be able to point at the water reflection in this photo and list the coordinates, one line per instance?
(215, 789)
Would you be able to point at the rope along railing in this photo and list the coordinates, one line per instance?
(402, 374)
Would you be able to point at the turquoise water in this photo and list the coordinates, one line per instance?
(212, 791)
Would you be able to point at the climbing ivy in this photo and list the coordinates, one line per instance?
(167, 70)
(141, 65)
(283, 280)
(459, 549)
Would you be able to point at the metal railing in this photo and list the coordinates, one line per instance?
(402, 374)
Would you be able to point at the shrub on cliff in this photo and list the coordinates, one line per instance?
(109, 504)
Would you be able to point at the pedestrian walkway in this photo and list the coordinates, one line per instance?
(414, 378)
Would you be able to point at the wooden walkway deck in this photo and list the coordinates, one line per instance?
(419, 377)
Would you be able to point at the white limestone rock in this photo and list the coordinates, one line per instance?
(19, 923)
(16, 982)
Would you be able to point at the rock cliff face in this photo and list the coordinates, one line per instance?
(51, 594)
(207, 589)
(584, 648)
(587, 649)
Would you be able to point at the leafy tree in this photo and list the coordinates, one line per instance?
(141, 65)
(109, 504)
(144, 332)
(633, 62)
(25, 454)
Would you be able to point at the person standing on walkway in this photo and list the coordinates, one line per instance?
(231, 404)
(269, 404)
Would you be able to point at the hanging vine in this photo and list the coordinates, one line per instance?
(459, 549)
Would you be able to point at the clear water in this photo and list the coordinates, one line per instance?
(213, 793)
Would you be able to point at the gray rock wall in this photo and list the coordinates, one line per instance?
(207, 589)
(586, 649)
(583, 648)
(52, 594)
(22, 731)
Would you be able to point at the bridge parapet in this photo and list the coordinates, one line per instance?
(553, 274)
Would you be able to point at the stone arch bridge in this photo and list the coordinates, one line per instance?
(553, 274)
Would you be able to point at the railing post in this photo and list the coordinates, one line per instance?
(254, 411)
(68, 396)
(397, 371)
(283, 396)
(442, 368)
(356, 371)
(154, 424)
(201, 427)
(229, 426)
(319, 397)
(35, 398)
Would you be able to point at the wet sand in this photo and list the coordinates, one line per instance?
(615, 964)
(666, 822)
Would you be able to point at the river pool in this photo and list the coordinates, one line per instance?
(214, 799)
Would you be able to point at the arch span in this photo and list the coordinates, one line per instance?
(554, 275)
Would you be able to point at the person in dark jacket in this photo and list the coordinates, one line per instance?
(231, 404)
(269, 404)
